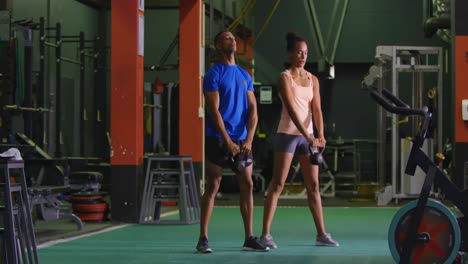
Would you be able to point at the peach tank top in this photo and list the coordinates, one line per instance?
(302, 98)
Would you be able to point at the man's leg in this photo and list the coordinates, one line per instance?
(213, 175)
(251, 242)
(246, 199)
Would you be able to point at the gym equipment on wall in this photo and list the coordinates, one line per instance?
(59, 41)
(425, 230)
(31, 98)
(57, 104)
(101, 95)
(19, 96)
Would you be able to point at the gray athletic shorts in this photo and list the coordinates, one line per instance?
(296, 144)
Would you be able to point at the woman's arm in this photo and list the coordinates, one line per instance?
(317, 113)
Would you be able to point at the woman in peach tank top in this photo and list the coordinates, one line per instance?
(300, 96)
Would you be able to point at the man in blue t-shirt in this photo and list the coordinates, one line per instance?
(230, 129)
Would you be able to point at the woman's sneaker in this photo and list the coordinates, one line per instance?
(326, 240)
(253, 244)
(268, 241)
(202, 246)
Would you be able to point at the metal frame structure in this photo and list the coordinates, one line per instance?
(18, 237)
(170, 179)
(390, 62)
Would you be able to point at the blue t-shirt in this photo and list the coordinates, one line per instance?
(232, 83)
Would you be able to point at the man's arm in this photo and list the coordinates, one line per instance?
(212, 104)
(251, 122)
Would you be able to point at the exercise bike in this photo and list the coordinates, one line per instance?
(425, 230)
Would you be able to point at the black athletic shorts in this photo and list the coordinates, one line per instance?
(216, 152)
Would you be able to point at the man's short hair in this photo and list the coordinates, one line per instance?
(218, 36)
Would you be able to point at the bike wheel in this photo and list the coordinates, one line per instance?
(438, 233)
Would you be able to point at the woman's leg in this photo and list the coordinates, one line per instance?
(311, 182)
(282, 163)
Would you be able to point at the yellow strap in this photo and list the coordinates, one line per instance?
(243, 13)
(266, 22)
(260, 135)
(406, 143)
(404, 120)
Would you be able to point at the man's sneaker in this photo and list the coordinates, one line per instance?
(268, 241)
(202, 246)
(326, 240)
(253, 244)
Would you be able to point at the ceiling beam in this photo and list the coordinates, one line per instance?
(149, 4)
(96, 3)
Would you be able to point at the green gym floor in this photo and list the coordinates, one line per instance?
(361, 231)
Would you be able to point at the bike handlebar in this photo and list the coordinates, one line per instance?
(394, 105)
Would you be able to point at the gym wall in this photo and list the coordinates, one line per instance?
(368, 23)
